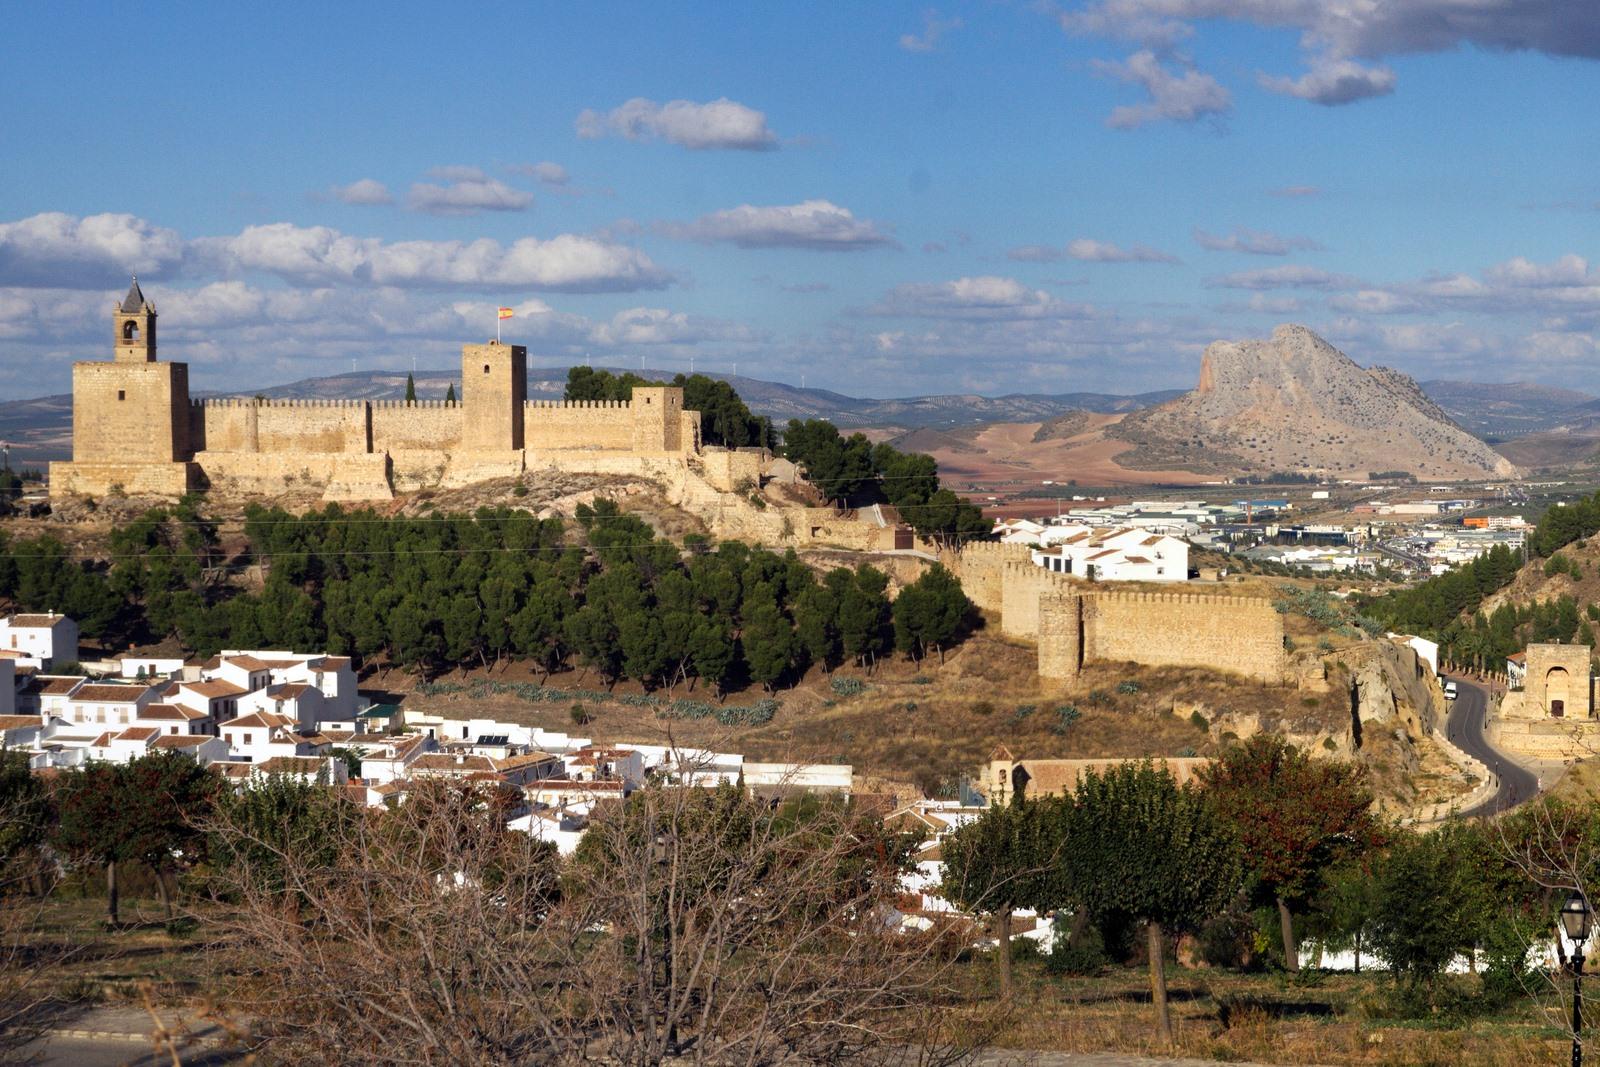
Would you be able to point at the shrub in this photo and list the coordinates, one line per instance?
(1100, 698)
(579, 714)
(847, 687)
(1128, 687)
(1199, 721)
(983, 707)
(1023, 711)
(1066, 715)
(1086, 957)
(519, 490)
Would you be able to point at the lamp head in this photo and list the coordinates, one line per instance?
(1576, 918)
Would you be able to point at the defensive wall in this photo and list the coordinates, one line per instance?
(1075, 623)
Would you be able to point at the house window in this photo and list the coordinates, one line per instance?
(486, 368)
(122, 394)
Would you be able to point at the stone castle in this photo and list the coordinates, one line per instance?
(136, 430)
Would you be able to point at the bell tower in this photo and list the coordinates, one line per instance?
(135, 320)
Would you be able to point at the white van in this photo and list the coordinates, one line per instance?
(1450, 690)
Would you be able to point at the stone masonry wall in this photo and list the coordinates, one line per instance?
(428, 425)
(981, 566)
(1239, 634)
(1022, 588)
(281, 426)
(606, 425)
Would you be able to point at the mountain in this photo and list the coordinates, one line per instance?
(1296, 403)
(1506, 409)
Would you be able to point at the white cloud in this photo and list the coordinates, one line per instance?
(1253, 242)
(721, 123)
(1262, 304)
(366, 191)
(1568, 271)
(547, 173)
(1289, 276)
(1035, 254)
(658, 326)
(318, 255)
(1185, 97)
(984, 297)
(1333, 34)
(1333, 81)
(933, 28)
(469, 191)
(1373, 302)
(55, 249)
(814, 224)
(1092, 251)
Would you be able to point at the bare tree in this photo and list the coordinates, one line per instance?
(692, 926)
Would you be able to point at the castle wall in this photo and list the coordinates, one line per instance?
(604, 425)
(981, 566)
(427, 425)
(282, 426)
(1022, 587)
(1239, 634)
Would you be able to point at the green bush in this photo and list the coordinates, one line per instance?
(1128, 687)
(1066, 715)
(845, 686)
(1199, 721)
(1086, 957)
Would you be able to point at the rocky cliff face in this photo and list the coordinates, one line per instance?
(1296, 403)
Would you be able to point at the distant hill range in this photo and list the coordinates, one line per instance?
(1539, 423)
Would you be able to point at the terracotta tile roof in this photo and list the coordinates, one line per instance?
(181, 741)
(249, 663)
(52, 685)
(170, 711)
(138, 733)
(259, 719)
(333, 663)
(6, 653)
(230, 769)
(102, 741)
(288, 691)
(214, 688)
(292, 765)
(531, 759)
(565, 785)
(111, 694)
(445, 763)
(18, 722)
(35, 621)
(1137, 559)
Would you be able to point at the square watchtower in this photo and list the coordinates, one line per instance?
(494, 387)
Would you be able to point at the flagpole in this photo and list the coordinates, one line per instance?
(497, 325)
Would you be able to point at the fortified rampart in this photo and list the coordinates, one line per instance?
(1076, 622)
(136, 429)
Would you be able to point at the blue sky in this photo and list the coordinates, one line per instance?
(883, 199)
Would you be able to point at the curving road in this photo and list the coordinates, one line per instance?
(1464, 727)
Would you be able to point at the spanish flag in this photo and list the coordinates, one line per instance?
(505, 313)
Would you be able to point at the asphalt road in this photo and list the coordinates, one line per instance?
(1464, 727)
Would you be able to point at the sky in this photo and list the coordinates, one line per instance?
(881, 199)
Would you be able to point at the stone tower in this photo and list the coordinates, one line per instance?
(494, 387)
(130, 416)
(657, 418)
(135, 320)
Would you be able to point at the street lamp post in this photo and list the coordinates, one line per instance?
(1576, 921)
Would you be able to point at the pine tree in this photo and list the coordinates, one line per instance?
(450, 395)
(411, 389)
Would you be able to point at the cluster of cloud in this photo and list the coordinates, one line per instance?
(546, 173)
(984, 297)
(819, 225)
(465, 191)
(1089, 250)
(64, 251)
(933, 28)
(721, 123)
(1253, 242)
(1341, 42)
(1183, 97)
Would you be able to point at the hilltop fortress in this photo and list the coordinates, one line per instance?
(136, 430)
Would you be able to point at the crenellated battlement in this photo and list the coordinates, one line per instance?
(579, 405)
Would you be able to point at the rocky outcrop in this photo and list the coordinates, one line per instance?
(1296, 403)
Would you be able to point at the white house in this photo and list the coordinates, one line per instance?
(771, 779)
(43, 641)
(1113, 554)
(564, 829)
(331, 676)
